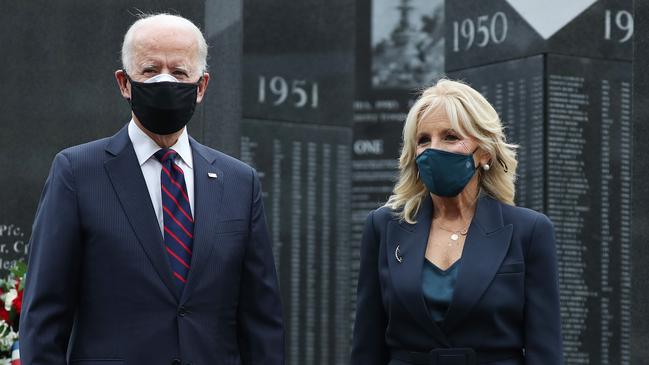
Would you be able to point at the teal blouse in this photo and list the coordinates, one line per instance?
(438, 285)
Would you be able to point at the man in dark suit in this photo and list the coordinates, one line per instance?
(148, 247)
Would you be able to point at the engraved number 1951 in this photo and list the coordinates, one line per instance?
(299, 92)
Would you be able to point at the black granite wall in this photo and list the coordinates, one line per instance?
(560, 77)
(221, 118)
(297, 129)
(640, 211)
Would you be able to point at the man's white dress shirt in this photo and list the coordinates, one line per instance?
(145, 148)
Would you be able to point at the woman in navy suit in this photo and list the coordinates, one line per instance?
(452, 273)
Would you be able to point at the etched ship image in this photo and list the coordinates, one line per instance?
(413, 54)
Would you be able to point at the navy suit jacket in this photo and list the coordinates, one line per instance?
(506, 295)
(99, 287)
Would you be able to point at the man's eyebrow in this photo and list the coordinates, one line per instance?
(147, 65)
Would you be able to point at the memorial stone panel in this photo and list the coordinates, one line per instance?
(305, 177)
(516, 90)
(297, 107)
(221, 110)
(640, 190)
(575, 166)
(589, 199)
(575, 154)
(297, 58)
(488, 31)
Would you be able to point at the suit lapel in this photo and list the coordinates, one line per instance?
(126, 177)
(411, 241)
(485, 248)
(208, 191)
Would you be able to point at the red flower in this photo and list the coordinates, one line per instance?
(17, 303)
(4, 315)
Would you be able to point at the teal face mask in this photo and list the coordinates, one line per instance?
(445, 173)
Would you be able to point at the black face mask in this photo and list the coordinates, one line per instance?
(163, 107)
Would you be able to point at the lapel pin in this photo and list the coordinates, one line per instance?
(211, 175)
(397, 255)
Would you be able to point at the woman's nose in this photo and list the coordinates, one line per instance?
(433, 144)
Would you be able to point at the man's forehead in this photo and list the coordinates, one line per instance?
(165, 40)
(165, 37)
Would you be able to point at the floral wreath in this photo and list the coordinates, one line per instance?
(11, 300)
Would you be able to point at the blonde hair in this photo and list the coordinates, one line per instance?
(471, 115)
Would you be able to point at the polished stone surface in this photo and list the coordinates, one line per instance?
(221, 118)
(298, 61)
(640, 213)
(484, 32)
(298, 89)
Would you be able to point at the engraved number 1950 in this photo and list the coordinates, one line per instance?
(481, 32)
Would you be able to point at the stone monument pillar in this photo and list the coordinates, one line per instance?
(296, 130)
(640, 189)
(559, 74)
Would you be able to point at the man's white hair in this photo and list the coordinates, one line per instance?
(127, 45)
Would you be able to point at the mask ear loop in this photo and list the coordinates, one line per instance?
(472, 153)
(198, 83)
(503, 164)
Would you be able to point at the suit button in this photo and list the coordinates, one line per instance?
(176, 362)
(182, 311)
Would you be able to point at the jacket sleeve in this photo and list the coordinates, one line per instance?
(543, 344)
(51, 288)
(260, 324)
(368, 344)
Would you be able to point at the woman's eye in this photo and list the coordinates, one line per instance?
(452, 137)
(422, 140)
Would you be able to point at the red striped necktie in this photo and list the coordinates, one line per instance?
(178, 220)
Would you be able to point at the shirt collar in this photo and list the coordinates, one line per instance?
(145, 147)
